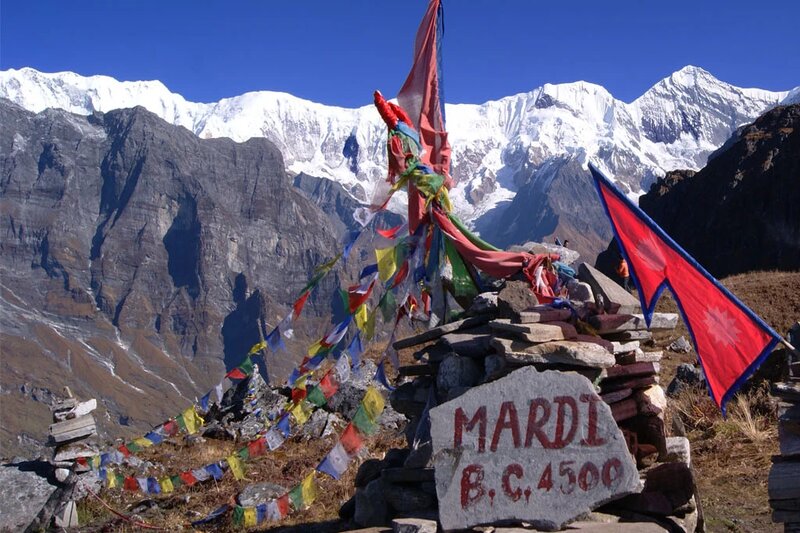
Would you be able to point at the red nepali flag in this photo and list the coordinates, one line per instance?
(730, 340)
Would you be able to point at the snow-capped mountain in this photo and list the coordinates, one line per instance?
(498, 147)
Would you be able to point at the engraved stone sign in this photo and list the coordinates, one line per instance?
(538, 447)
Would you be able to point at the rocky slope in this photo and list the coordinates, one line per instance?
(739, 213)
(524, 143)
(137, 260)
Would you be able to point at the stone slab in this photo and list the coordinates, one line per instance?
(635, 369)
(610, 385)
(639, 356)
(632, 335)
(615, 298)
(435, 333)
(74, 428)
(624, 346)
(616, 396)
(551, 331)
(474, 343)
(543, 314)
(783, 481)
(605, 324)
(414, 525)
(558, 352)
(535, 447)
(596, 340)
(624, 409)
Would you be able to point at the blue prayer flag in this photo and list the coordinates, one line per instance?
(355, 349)
(283, 425)
(352, 237)
(204, 401)
(152, 486)
(219, 511)
(214, 470)
(368, 271)
(274, 340)
(380, 376)
(327, 468)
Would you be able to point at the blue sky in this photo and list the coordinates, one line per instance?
(339, 52)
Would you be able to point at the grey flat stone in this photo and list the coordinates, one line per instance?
(631, 335)
(635, 369)
(472, 343)
(551, 331)
(596, 340)
(679, 450)
(500, 452)
(624, 347)
(639, 356)
(558, 352)
(543, 314)
(605, 324)
(615, 298)
(414, 525)
(435, 333)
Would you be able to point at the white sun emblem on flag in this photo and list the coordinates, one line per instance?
(721, 326)
(649, 252)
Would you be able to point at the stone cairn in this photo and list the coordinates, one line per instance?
(71, 434)
(784, 476)
(601, 338)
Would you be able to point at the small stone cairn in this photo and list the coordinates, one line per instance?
(784, 476)
(601, 338)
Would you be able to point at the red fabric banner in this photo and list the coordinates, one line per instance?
(731, 341)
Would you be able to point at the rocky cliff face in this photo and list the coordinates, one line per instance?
(138, 261)
(739, 213)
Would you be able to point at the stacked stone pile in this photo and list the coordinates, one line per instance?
(600, 338)
(784, 476)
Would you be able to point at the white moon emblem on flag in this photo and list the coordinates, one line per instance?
(649, 252)
(721, 326)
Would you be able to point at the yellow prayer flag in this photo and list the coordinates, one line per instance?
(250, 517)
(111, 478)
(386, 263)
(299, 413)
(369, 327)
(166, 485)
(143, 442)
(315, 348)
(257, 347)
(373, 403)
(309, 489)
(192, 420)
(236, 466)
(361, 316)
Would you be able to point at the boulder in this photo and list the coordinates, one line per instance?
(371, 507)
(680, 345)
(257, 493)
(615, 298)
(484, 303)
(580, 292)
(515, 298)
(457, 371)
(414, 525)
(686, 375)
(25, 488)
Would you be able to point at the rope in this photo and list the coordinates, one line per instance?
(120, 515)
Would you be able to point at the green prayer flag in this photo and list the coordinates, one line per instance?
(363, 422)
(296, 497)
(133, 447)
(244, 453)
(176, 481)
(316, 397)
(388, 304)
(238, 515)
(181, 422)
(462, 281)
(247, 366)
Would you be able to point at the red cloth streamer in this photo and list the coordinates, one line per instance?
(497, 264)
(420, 95)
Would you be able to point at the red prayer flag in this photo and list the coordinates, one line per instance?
(731, 341)
(171, 428)
(390, 233)
(328, 384)
(283, 504)
(257, 447)
(124, 451)
(236, 374)
(351, 440)
(188, 478)
(299, 303)
(130, 483)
